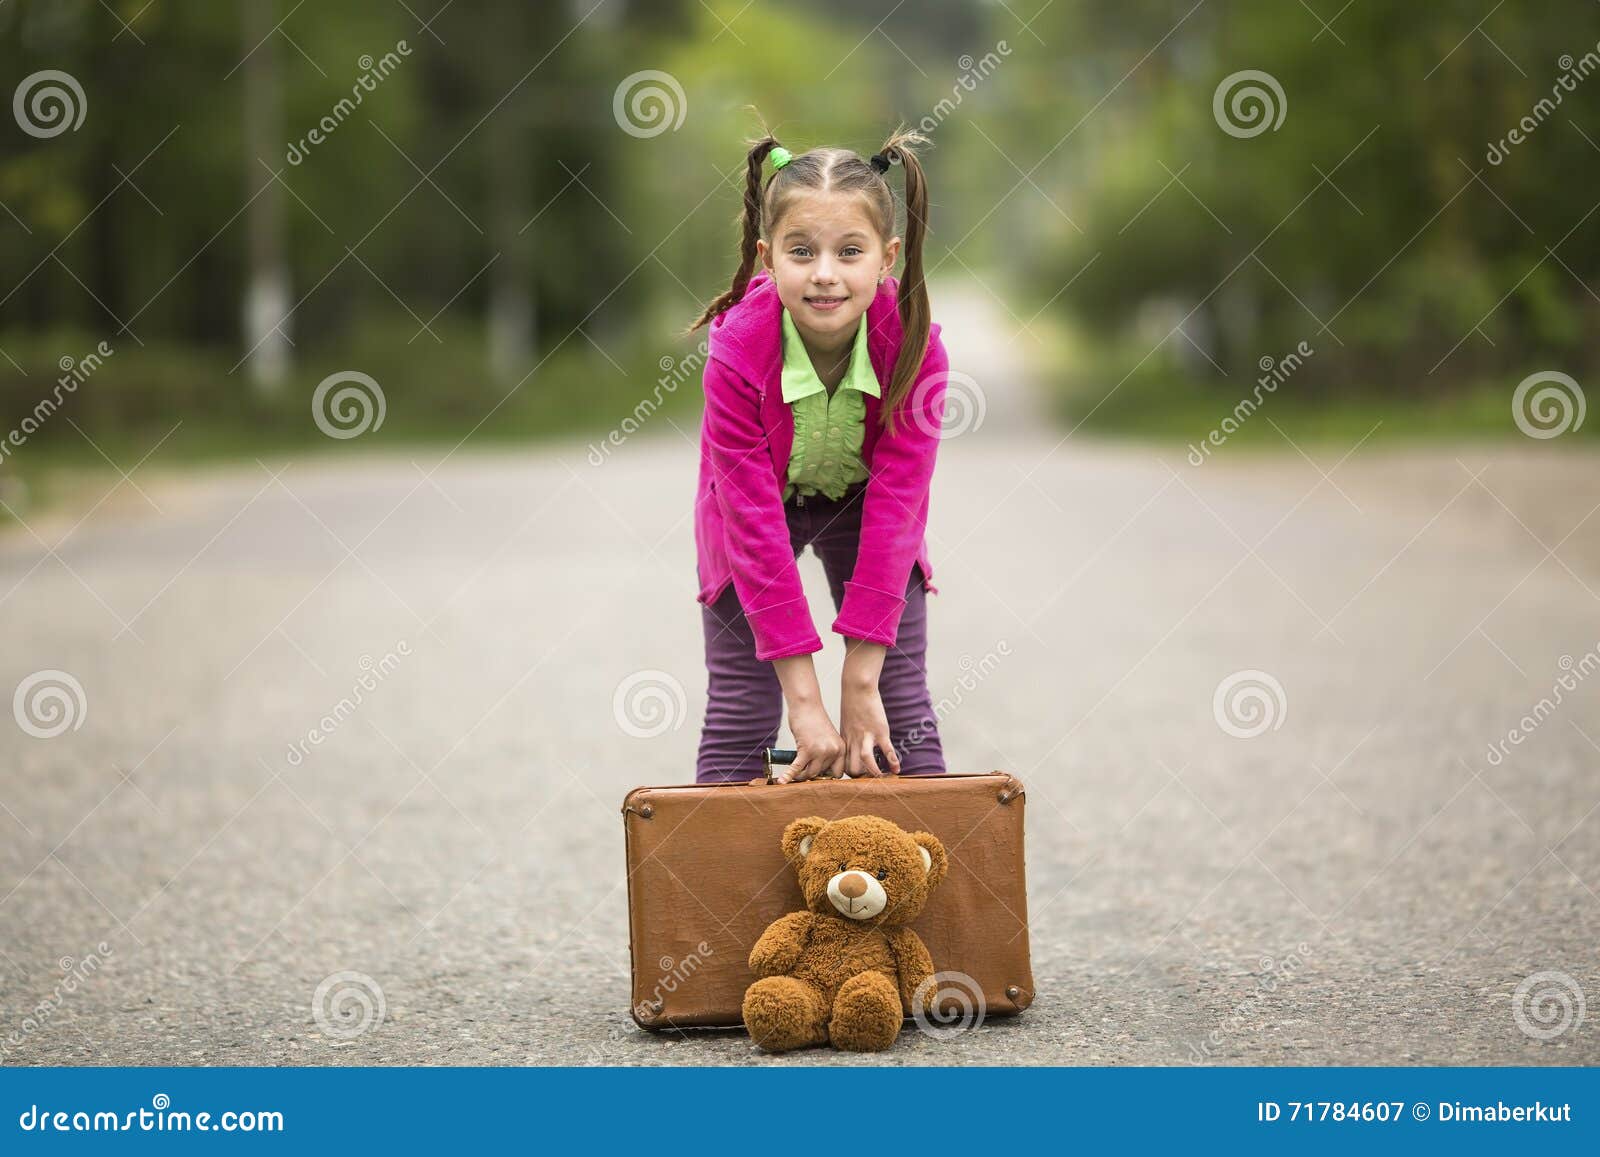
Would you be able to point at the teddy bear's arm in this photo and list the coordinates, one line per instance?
(781, 944)
(914, 963)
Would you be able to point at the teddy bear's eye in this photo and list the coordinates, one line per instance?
(883, 873)
(843, 867)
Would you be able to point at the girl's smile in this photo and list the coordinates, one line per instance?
(827, 257)
(825, 304)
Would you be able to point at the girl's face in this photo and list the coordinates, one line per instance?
(826, 258)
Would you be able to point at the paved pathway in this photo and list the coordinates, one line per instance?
(1358, 883)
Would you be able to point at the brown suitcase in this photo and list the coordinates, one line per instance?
(706, 876)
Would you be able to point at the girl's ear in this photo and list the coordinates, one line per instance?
(891, 254)
(764, 253)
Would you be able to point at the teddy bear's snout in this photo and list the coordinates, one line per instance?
(857, 895)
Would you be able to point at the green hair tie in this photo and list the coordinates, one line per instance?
(780, 157)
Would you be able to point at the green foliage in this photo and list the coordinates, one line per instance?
(1372, 210)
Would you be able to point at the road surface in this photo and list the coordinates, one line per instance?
(209, 840)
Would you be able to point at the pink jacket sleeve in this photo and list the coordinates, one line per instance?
(894, 514)
(755, 527)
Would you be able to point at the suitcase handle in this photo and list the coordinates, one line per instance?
(774, 756)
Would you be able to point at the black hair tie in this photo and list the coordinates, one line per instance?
(880, 163)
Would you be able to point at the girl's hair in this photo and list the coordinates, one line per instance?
(840, 170)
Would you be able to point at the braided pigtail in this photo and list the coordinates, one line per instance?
(751, 224)
(916, 315)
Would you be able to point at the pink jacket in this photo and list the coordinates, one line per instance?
(741, 529)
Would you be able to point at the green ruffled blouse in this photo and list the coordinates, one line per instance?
(828, 429)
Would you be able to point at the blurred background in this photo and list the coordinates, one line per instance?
(499, 217)
(348, 438)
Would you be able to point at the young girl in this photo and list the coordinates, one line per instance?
(824, 396)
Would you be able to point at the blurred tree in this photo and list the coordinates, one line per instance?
(266, 293)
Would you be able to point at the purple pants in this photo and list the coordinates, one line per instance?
(744, 699)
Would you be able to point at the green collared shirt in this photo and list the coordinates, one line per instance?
(828, 429)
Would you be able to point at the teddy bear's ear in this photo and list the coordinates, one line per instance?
(798, 835)
(934, 860)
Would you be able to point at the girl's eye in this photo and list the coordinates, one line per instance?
(852, 251)
(883, 873)
(799, 251)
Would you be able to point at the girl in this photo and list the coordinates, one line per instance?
(824, 397)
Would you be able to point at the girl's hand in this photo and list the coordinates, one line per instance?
(819, 749)
(861, 716)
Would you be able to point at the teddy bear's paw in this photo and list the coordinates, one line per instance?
(783, 1012)
(866, 1014)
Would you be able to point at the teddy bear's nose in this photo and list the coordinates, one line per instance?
(854, 884)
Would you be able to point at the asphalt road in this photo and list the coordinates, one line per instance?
(1359, 883)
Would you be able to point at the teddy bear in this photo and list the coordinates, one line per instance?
(846, 969)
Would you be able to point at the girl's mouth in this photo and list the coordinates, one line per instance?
(826, 304)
